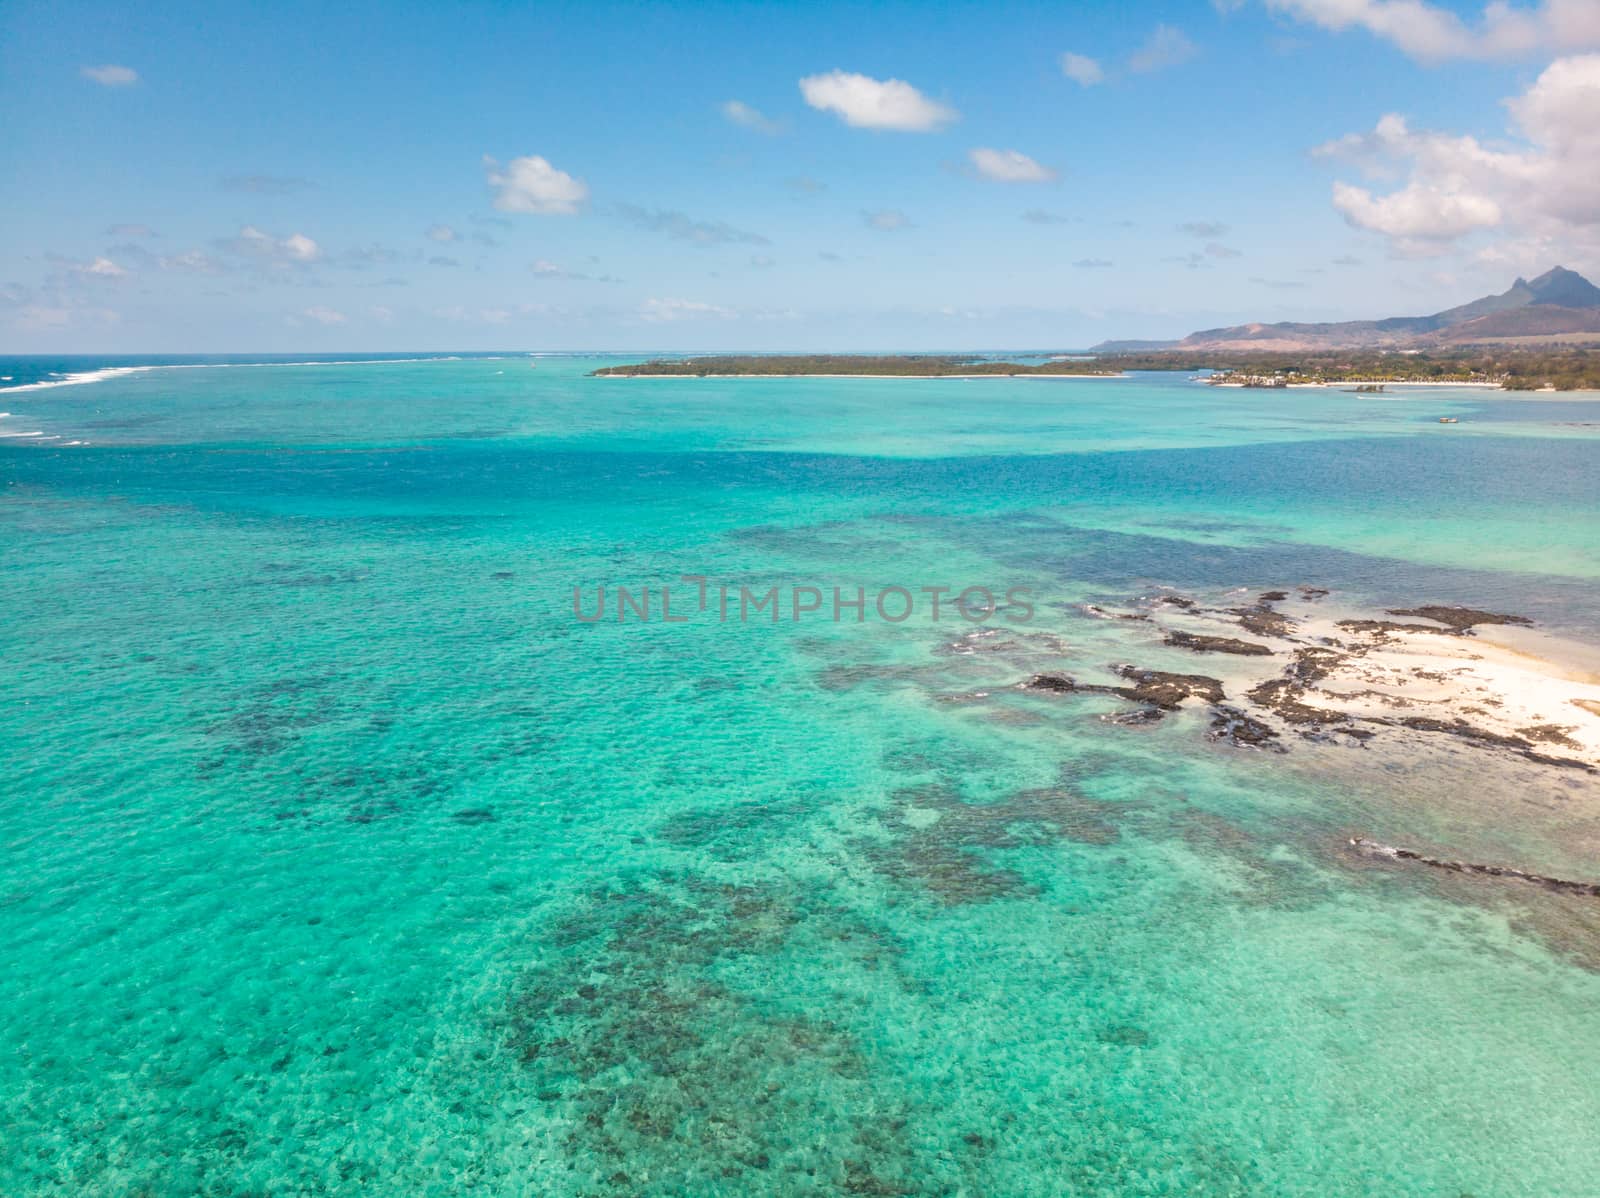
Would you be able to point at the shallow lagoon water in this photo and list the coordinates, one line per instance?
(341, 858)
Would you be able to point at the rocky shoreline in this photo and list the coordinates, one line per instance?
(1307, 669)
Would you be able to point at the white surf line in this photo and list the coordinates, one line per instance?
(111, 372)
(72, 380)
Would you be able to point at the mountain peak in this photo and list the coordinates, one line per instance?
(1564, 288)
(1559, 303)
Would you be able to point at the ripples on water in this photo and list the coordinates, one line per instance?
(341, 859)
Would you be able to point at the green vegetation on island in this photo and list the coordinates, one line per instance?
(885, 365)
(1568, 369)
(1516, 369)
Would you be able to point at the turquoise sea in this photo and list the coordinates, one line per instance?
(340, 857)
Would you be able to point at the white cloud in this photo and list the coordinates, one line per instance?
(382, 314)
(887, 220)
(868, 103)
(1082, 69)
(130, 231)
(111, 75)
(743, 114)
(251, 242)
(1009, 166)
(325, 316)
(102, 268)
(531, 184)
(1165, 47)
(442, 233)
(1547, 188)
(663, 311)
(1432, 34)
(1416, 212)
(1204, 229)
(301, 248)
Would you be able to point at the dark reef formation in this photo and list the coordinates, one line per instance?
(1348, 680)
(1372, 848)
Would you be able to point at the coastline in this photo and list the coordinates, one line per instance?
(1347, 383)
(703, 377)
(1281, 667)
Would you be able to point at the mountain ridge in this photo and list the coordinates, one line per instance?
(1558, 303)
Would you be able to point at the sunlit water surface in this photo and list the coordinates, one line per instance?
(341, 858)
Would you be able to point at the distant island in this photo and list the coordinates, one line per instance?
(1510, 368)
(869, 365)
(1540, 335)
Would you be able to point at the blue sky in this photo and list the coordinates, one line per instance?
(214, 177)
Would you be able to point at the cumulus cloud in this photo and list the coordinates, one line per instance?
(1416, 211)
(111, 75)
(1166, 47)
(886, 220)
(442, 233)
(742, 114)
(1547, 187)
(532, 185)
(100, 268)
(683, 227)
(1009, 166)
(1081, 69)
(868, 103)
(325, 316)
(663, 311)
(1433, 34)
(301, 248)
(251, 242)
